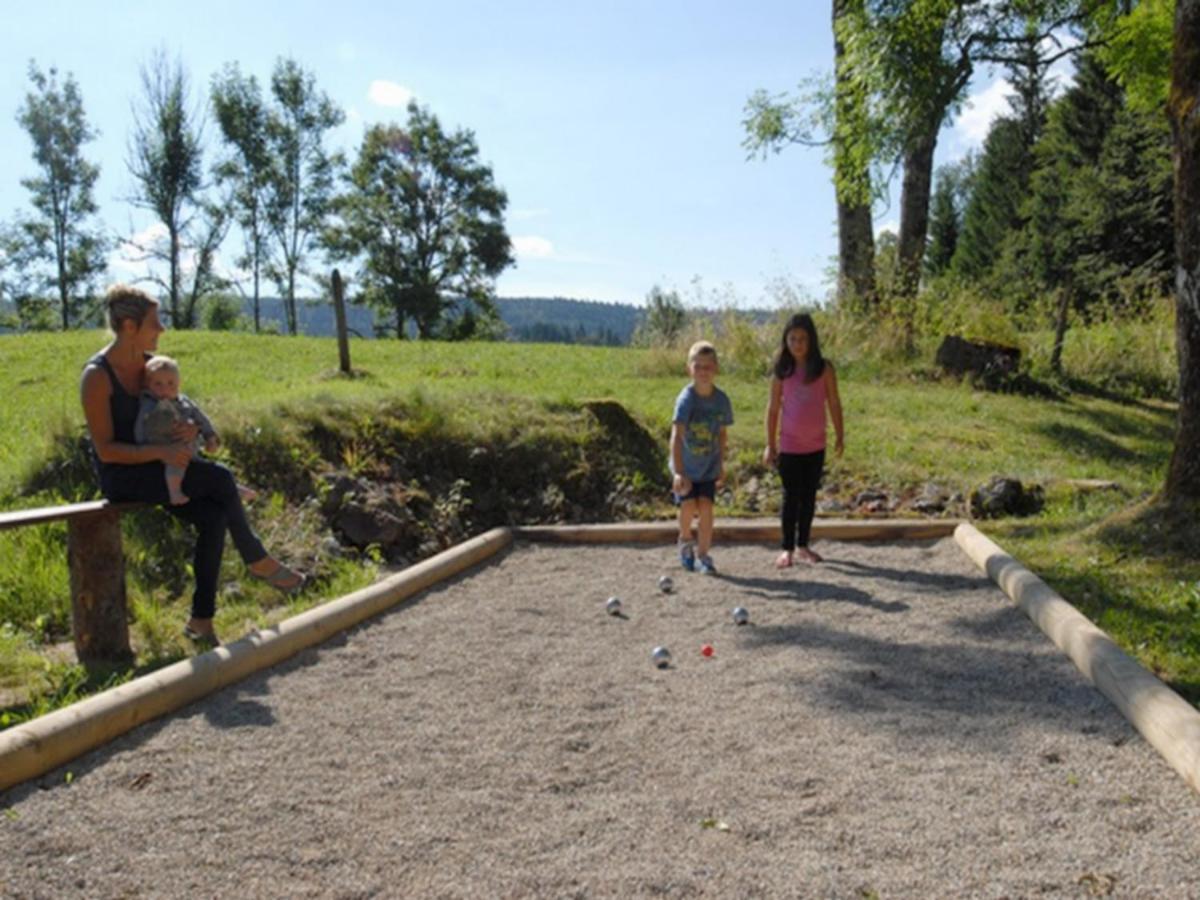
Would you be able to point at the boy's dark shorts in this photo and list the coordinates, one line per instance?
(699, 489)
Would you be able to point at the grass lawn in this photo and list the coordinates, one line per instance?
(902, 430)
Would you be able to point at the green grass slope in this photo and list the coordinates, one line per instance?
(432, 414)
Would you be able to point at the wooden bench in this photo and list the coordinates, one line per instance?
(97, 568)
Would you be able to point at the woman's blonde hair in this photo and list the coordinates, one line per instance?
(127, 302)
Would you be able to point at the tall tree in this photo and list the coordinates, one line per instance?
(951, 193)
(426, 219)
(992, 213)
(664, 320)
(166, 160)
(917, 58)
(852, 167)
(246, 168)
(59, 234)
(303, 174)
(1183, 105)
(834, 116)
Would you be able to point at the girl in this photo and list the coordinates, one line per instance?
(112, 380)
(802, 386)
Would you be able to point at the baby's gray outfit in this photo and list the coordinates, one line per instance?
(157, 417)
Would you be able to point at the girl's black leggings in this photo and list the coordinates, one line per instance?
(801, 474)
(213, 506)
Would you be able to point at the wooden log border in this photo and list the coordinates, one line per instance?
(1168, 722)
(34, 748)
(737, 530)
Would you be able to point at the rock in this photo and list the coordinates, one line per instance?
(932, 499)
(1006, 497)
(363, 526)
(961, 357)
(864, 498)
(339, 486)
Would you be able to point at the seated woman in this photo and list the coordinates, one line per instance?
(112, 382)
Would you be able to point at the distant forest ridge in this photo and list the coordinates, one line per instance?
(547, 320)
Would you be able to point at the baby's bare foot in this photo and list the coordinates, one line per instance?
(179, 499)
(247, 494)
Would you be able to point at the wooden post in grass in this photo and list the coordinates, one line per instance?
(97, 568)
(339, 311)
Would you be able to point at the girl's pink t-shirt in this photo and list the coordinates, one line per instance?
(802, 415)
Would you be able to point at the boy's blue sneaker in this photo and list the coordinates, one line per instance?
(687, 556)
(706, 566)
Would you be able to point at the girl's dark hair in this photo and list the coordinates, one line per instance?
(785, 363)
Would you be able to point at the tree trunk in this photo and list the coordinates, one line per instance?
(856, 256)
(291, 299)
(914, 210)
(1183, 475)
(852, 180)
(174, 276)
(339, 310)
(97, 571)
(1060, 330)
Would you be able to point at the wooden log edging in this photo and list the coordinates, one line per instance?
(1168, 722)
(34, 748)
(734, 531)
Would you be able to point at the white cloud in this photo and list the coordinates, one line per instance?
(981, 108)
(125, 260)
(530, 246)
(890, 225)
(388, 93)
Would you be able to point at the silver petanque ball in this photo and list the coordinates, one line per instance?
(613, 606)
(741, 615)
(665, 584)
(661, 657)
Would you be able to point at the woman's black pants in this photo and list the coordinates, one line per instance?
(801, 474)
(214, 505)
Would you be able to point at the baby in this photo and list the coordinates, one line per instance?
(161, 408)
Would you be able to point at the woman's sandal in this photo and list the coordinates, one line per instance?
(284, 579)
(201, 639)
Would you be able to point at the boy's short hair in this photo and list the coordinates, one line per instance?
(702, 348)
(154, 363)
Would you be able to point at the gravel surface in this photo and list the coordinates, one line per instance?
(887, 725)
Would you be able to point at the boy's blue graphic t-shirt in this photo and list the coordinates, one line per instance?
(701, 419)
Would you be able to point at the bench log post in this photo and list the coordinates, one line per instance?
(97, 565)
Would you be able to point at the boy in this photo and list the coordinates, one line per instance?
(699, 430)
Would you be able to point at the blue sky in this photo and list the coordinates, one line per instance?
(615, 127)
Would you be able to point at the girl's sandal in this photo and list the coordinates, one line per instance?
(284, 579)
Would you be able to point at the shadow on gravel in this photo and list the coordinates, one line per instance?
(912, 576)
(809, 591)
(944, 691)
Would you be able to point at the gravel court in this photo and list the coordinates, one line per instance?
(888, 723)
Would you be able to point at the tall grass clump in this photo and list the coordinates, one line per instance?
(1130, 355)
